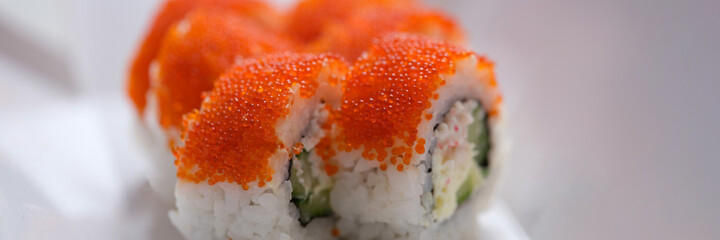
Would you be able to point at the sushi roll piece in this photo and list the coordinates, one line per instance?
(308, 18)
(354, 35)
(172, 11)
(419, 141)
(249, 165)
(194, 52)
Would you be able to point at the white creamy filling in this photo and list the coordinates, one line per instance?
(452, 158)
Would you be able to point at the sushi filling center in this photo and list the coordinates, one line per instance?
(310, 185)
(460, 158)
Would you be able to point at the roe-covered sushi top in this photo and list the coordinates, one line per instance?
(354, 35)
(388, 92)
(308, 18)
(171, 12)
(197, 50)
(233, 135)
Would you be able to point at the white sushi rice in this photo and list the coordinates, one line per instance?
(374, 204)
(224, 211)
(154, 140)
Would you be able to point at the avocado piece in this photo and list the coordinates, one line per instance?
(310, 201)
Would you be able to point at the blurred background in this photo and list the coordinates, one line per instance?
(613, 111)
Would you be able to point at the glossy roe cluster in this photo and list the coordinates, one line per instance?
(197, 50)
(309, 17)
(232, 137)
(351, 37)
(171, 12)
(388, 92)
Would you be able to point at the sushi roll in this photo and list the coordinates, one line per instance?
(419, 141)
(250, 162)
(193, 53)
(170, 13)
(354, 34)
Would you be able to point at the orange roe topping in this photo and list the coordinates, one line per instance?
(197, 50)
(169, 13)
(335, 232)
(420, 147)
(388, 92)
(309, 17)
(383, 166)
(233, 136)
(354, 35)
(331, 169)
(297, 149)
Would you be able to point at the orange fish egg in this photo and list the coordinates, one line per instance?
(354, 35)
(197, 50)
(387, 93)
(309, 17)
(169, 13)
(233, 136)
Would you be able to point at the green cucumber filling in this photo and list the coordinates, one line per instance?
(460, 162)
(310, 196)
(479, 134)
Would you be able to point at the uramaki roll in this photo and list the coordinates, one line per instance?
(248, 166)
(419, 141)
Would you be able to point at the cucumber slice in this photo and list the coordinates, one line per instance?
(316, 205)
(479, 134)
(310, 201)
(472, 182)
(301, 177)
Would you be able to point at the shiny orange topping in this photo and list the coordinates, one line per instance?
(388, 92)
(297, 149)
(171, 12)
(354, 35)
(309, 17)
(197, 50)
(139, 80)
(233, 136)
(330, 169)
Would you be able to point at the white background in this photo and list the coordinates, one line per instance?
(614, 113)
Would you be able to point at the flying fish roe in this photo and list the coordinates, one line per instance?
(197, 50)
(388, 92)
(297, 149)
(309, 17)
(331, 169)
(169, 13)
(354, 35)
(233, 136)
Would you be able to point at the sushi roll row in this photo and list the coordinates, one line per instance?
(368, 122)
(191, 42)
(302, 146)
